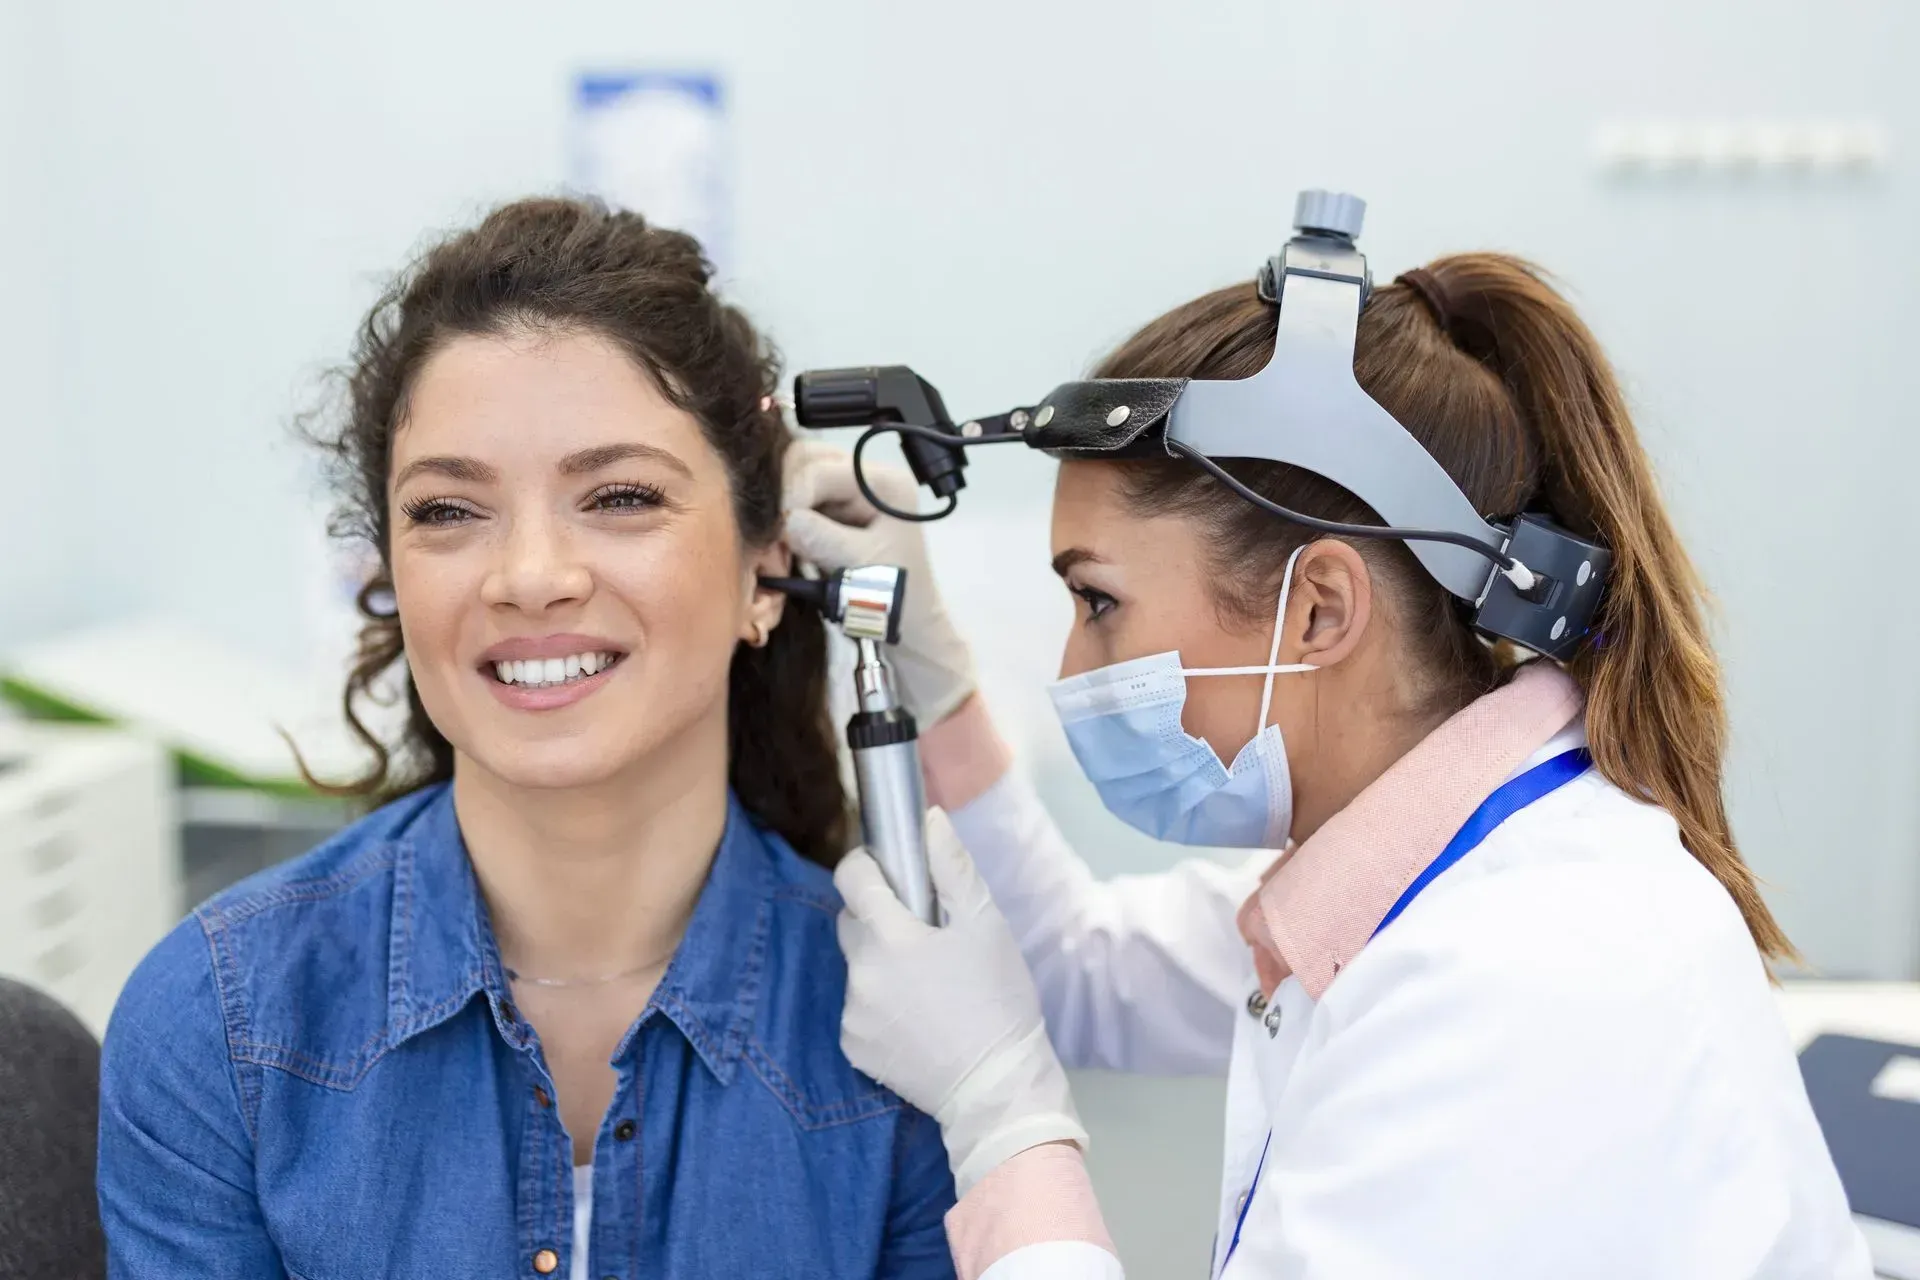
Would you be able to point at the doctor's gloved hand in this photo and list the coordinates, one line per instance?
(948, 1018)
(831, 524)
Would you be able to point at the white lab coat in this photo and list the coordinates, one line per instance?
(1563, 1060)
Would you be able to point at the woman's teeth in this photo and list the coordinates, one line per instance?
(539, 673)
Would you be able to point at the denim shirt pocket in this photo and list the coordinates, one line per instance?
(294, 999)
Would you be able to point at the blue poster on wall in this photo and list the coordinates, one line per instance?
(655, 142)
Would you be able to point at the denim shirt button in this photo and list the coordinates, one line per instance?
(624, 1130)
(545, 1261)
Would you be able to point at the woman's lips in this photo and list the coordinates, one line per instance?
(547, 684)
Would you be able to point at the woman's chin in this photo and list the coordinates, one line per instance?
(555, 766)
(632, 739)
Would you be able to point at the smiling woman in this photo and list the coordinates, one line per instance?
(592, 926)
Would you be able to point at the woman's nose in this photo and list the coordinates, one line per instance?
(537, 569)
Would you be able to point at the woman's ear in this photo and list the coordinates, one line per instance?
(1331, 603)
(765, 606)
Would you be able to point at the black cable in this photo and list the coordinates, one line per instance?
(945, 439)
(1447, 536)
(879, 503)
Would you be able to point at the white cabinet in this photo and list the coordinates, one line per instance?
(89, 860)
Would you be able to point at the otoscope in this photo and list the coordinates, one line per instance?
(865, 603)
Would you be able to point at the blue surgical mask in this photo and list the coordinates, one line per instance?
(1123, 722)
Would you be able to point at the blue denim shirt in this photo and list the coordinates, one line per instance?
(321, 1073)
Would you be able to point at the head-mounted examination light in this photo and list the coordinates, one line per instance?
(1524, 579)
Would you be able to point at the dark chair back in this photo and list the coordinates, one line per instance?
(49, 1120)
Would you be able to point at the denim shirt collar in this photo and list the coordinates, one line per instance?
(442, 950)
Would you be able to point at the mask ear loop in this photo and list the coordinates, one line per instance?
(1273, 654)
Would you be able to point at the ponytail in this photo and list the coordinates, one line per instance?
(1656, 710)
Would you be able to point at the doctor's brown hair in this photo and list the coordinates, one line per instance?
(574, 265)
(1492, 372)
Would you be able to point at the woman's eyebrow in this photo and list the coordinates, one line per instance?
(471, 470)
(590, 460)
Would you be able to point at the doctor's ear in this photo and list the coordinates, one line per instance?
(1331, 604)
(765, 607)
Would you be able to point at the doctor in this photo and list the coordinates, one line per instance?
(1502, 1008)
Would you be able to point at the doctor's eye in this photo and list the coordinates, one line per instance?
(1097, 602)
(437, 513)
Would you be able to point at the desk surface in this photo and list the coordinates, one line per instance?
(1875, 1010)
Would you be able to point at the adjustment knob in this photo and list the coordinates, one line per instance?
(1329, 213)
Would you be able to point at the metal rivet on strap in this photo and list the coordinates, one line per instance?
(1118, 416)
(969, 429)
(1019, 420)
(1045, 416)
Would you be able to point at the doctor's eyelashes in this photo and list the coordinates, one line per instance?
(1098, 602)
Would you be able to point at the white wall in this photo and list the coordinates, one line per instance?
(39, 523)
(995, 192)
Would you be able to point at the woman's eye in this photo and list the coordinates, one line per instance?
(1097, 602)
(625, 497)
(437, 512)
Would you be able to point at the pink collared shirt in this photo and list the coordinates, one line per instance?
(1319, 904)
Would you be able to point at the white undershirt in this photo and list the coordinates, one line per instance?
(582, 1219)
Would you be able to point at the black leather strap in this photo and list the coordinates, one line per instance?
(1083, 417)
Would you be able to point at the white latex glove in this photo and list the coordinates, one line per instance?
(832, 525)
(948, 1018)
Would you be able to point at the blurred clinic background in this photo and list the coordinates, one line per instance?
(199, 200)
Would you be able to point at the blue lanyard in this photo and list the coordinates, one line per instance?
(1513, 795)
(1247, 1203)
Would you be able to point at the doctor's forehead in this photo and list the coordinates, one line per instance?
(1093, 516)
(1096, 523)
(1087, 501)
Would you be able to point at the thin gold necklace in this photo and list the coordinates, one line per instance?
(514, 975)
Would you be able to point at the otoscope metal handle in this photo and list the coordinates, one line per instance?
(885, 744)
(866, 600)
(893, 813)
